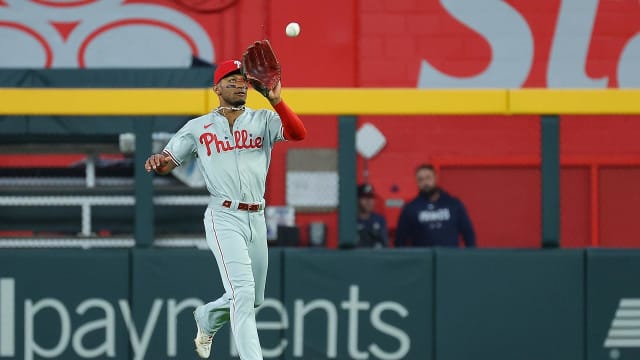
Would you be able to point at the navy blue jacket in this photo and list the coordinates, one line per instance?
(373, 231)
(440, 223)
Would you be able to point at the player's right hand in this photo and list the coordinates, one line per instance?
(157, 162)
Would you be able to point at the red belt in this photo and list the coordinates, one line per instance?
(242, 206)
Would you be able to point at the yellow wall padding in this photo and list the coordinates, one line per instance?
(324, 101)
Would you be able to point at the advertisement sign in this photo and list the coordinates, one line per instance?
(359, 304)
(431, 43)
(323, 304)
(505, 305)
(613, 304)
(70, 304)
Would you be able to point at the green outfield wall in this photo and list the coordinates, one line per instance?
(321, 304)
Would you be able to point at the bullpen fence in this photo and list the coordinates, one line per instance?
(321, 304)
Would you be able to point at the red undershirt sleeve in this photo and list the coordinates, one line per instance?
(293, 127)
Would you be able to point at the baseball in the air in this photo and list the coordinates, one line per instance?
(293, 29)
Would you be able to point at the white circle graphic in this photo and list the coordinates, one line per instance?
(145, 46)
(27, 49)
(99, 34)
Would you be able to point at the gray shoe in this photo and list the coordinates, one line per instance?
(203, 341)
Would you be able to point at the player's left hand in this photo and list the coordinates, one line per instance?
(262, 70)
(274, 94)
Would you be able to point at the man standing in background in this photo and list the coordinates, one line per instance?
(372, 227)
(433, 218)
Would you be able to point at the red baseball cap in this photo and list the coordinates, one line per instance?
(225, 68)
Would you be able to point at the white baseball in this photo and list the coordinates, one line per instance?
(293, 29)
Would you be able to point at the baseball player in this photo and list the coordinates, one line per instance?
(232, 145)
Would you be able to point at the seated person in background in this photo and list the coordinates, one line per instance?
(372, 227)
(433, 218)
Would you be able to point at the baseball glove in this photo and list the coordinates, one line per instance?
(261, 67)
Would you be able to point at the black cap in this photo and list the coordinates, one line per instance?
(365, 190)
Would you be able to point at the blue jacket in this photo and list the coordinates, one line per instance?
(373, 232)
(440, 223)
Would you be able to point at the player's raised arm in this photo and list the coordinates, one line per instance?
(160, 163)
(292, 125)
(261, 68)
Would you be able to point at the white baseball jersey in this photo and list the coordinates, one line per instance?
(234, 162)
